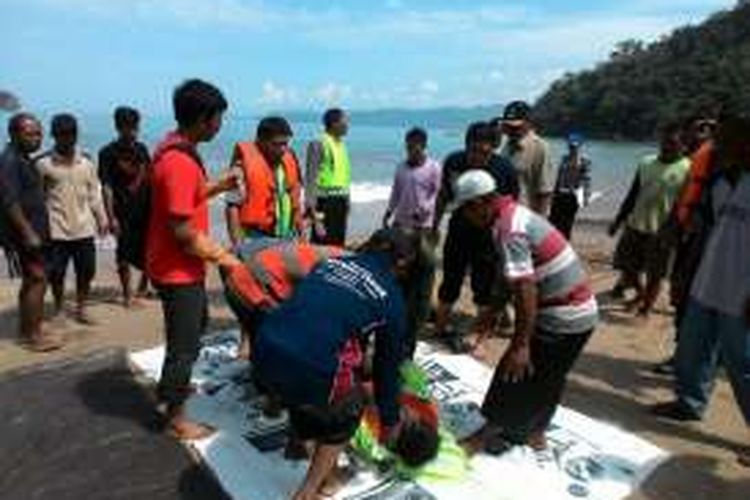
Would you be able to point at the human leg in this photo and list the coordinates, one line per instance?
(84, 263)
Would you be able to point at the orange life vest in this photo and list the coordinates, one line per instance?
(700, 172)
(258, 211)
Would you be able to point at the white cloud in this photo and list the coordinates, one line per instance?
(430, 87)
(273, 94)
(496, 75)
(332, 93)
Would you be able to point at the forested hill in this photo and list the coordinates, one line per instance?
(694, 69)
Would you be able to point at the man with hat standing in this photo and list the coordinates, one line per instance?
(573, 186)
(556, 313)
(529, 154)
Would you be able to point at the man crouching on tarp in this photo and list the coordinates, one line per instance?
(556, 313)
(310, 350)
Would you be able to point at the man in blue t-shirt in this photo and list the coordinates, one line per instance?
(310, 351)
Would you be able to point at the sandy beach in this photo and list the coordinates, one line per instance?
(611, 382)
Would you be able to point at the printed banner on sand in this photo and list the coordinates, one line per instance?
(586, 458)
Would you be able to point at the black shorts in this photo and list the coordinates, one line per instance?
(83, 254)
(639, 252)
(333, 424)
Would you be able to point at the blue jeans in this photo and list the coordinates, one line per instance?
(706, 338)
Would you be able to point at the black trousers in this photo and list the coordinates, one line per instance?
(335, 209)
(185, 309)
(563, 212)
(83, 254)
(468, 248)
(522, 408)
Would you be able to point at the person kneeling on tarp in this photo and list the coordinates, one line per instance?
(272, 268)
(556, 312)
(310, 350)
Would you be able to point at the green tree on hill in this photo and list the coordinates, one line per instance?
(695, 69)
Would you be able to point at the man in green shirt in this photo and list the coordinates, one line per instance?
(328, 180)
(643, 248)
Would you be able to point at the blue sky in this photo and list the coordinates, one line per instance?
(90, 55)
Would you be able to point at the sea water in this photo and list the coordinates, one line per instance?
(375, 151)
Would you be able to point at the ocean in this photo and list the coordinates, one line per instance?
(376, 147)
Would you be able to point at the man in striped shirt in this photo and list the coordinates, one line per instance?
(556, 312)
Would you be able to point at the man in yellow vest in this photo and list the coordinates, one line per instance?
(327, 180)
(268, 202)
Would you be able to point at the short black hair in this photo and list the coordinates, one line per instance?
(480, 132)
(126, 116)
(417, 443)
(669, 129)
(417, 134)
(273, 126)
(195, 100)
(332, 116)
(15, 121)
(63, 123)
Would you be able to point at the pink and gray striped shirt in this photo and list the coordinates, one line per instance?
(534, 250)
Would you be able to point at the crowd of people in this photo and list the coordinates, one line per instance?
(305, 300)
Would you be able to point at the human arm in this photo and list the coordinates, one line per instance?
(515, 364)
(586, 180)
(226, 181)
(627, 205)
(11, 207)
(105, 178)
(95, 194)
(393, 199)
(234, 227)
(543, 177)
(389, 353)
(199, 244)
(445, 193)
(313, 159)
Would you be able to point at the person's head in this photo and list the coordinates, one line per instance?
(671, 145)
(127, 121)
(272, 137)
(516, 120)
(198, 109)
(475, 196)
(698, 129)
(64, 130)
(416, 442)
(25, 132)
(336, 122)
(479, 140)
(732, 143)
(398, 245)
(416, 146)
(575, 141)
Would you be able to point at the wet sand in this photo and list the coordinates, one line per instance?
(611, 382)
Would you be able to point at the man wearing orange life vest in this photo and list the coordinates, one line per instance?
(269, 201)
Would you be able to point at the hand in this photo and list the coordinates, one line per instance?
(32, 241)
(228, 180)
(103, 229)
(612, 230)
(319, 229)
(114, 228)
(228, 260)
(515, 364)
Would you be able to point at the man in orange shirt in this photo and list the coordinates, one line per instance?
(178, 244)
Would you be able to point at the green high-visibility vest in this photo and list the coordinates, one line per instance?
(335, 168)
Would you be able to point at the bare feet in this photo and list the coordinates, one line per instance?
(537, 441)
(187, 430)
(83, 317)
(45, 342)
(335, 481)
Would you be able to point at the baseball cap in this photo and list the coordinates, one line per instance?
(516, 112)
(575, 139)
(473, 184)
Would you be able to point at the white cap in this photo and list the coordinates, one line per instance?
(473, 184)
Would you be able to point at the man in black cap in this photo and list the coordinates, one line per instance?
(530, 157)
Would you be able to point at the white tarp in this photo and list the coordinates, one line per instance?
(586, 459)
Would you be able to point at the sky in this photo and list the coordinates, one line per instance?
(91, 55)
